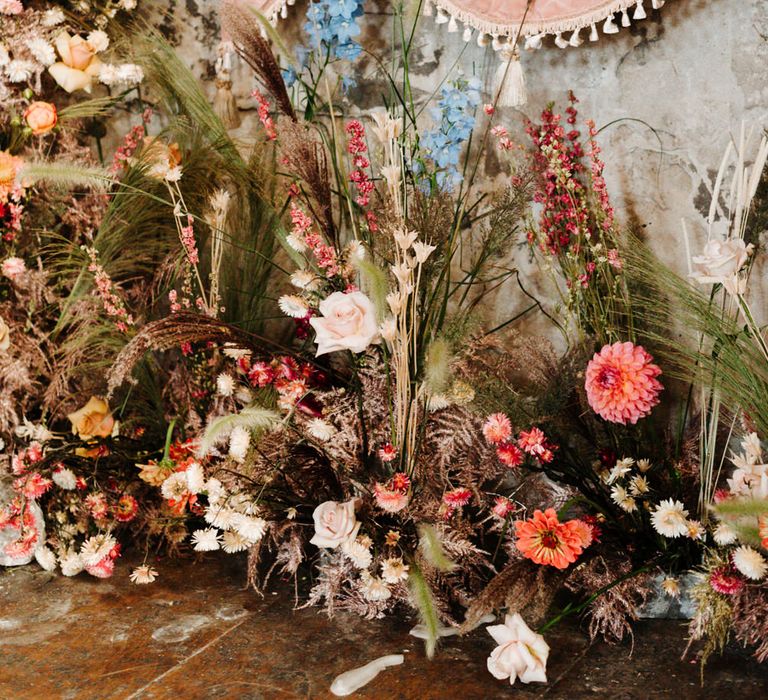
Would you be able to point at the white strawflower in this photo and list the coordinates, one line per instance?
(638, 486)
(233, 542)
(671, 586)
(53, 17)
(252, 528)
(622, 499)
(98, 40)
(239, 442)
(130, 74)
(195, 478)
(357, 553)
(320, 429)
(373, 588)
(225, 384)
(46, 558)
(71, 564)
(394, 570)
(293, 305)
(206, 540)
(214, 490)
(143, 574)
(64, 478)
(724, 534)
(670, 519)
(19, 71)
(95, 548)
(219, 517)
(175, 486)
(42, 51)
(304, 279)
(696, 530)
(750, 563)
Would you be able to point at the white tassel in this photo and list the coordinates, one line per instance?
(428, 9)
(467, 35)
(442, 17)
(593, 35)
(576, 39)
(533, 42)
(482, 39)
(224, 104)
(639, 11)
(657, 4)
(497, 43)
(625, 18)
(609, 27)
(560, 42)
(510, 81)
(453, 25)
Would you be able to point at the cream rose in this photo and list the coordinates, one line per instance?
(41, 117)
(348, 323)
(92, 420)
(521, 653)
(720, 263)
(79, 64)
(5, 335)
(335, 523)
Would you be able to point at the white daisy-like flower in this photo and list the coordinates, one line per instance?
(304, 279)
(724, 534)
(643, 465)
(320, 429)
(225, 384)
(671, 587)
(622, 499)
(357, 553)
(206, 540)
(53, 17)
(98, 40)
(750, 563)
(46, 558)
(696, 530)
(175, 486)
(143, 574)
(215, 490)
(252, 528)
(64, 478)
(42, 51)
(95, 548)
(296, 243)
(219, 517)
(71, 563)
(19, 71)
(622, 467)
(239, 442)
(293, 305)
(638, 485)
(195, 478)
(373, 588)
(233, 542)
(130, 74)
(393, 570)
(670, 519)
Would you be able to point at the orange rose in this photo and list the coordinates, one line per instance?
(41, 117)
(92, 420)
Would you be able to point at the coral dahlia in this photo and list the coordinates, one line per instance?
(621, 383)
(545, 540)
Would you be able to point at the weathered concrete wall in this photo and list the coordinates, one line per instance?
(675, 88)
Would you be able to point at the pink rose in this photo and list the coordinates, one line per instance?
(13, 267)
(521, 653)
(348, 323)
(335, 523)
(720, 263)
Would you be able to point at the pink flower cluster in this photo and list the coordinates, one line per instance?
(503, 142)
(111, 301)
(131, 143)
(187, 236)
(357, 148)
(497, 430)
(264, 117)
(598, 181)
(324, 254)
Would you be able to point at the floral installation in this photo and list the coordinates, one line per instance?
(289, 354)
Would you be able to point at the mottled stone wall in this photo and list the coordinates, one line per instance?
(674, 89)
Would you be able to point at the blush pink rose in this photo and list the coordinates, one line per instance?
(521, 654)
(348, 323)
(335, 523)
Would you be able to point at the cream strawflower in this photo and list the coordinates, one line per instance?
(252, 528)
(64, 478)
(638, 486)
(622, 499)
(143, 574)
(394, 570)
(95, 548)
(233, 542)
(175, 486)
(46, 558)
(622, 467)
(71, 563)
(225, 384)
(671, 587)
(373, 588)
(724, 534)
(320, 429)
(304, 279)
(670, 519)
(750, 563)
(696, 530)
(358, 553)
(293, 305)
(643, 465)
(206, 540)
(521, 653)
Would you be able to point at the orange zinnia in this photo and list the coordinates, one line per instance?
(545, 540)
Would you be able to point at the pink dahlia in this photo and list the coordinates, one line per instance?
(621, 383)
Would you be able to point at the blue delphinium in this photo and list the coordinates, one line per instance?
(332, 27)
(455, 119)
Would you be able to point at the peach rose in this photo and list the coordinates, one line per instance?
(92, 420)
(78, 65)
(521, 653)
(41, 117)
(348, 323)
(335, 523)
(8, 168)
